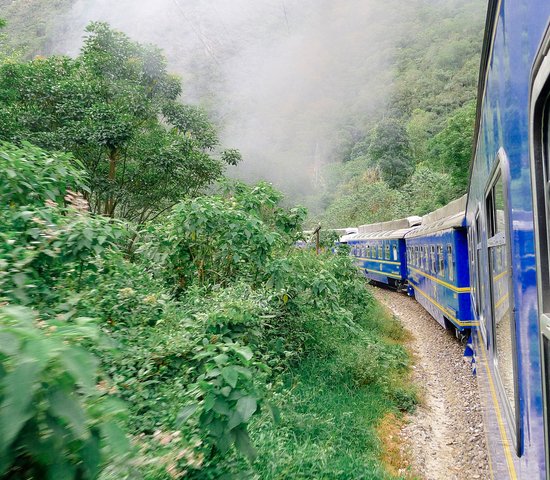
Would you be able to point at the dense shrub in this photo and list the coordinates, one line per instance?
(183, 350)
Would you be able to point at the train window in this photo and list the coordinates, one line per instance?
(425, 259)
(394, 253)
(440, 261)
(450, 262)
(380, 253)
(416, 256)
(368, 251)
(387, 251)
(503, 325)
(432, 259)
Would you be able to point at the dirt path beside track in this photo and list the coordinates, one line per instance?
(444, 439)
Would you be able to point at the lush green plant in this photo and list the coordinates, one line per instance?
(115, 108)
(54, 421)
(30, 176)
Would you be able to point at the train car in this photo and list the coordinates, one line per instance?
(507, 215)
(437, 277)
(379, 249)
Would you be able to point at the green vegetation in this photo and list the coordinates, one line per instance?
(413, 157)
(148, 330)
(115, 108)
(32, 25)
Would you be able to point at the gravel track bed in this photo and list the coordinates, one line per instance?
(444, 438)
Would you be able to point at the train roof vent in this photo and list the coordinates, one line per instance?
(414, 221)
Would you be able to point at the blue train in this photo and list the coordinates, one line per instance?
(437, 278)
(488, 269)
(379, 249)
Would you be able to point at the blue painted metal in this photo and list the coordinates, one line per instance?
(440, 278)
(515, 430)
(382, 260)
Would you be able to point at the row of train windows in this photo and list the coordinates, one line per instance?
(376, 251)
(431, 258)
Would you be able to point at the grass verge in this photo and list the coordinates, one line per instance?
(335, 408)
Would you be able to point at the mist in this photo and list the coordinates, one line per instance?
(290, 83)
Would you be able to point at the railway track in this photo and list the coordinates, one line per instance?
(444, 439)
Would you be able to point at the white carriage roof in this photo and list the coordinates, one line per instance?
(449, 216)
(385, 230)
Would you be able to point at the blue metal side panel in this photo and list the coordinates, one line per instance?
(505, 125)
(444, 294)
(376, 267)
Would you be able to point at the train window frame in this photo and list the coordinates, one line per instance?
(426, 259)
(450, 263)
(539, 153)
(496, 237)
(432, 260)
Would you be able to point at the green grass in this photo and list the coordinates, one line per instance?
(329, 416)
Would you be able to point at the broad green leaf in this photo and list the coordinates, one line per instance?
(221, 407)
(116, 439)
(244, 445)
(245, 353)
(81, 365)
(18, 387)
(209, 402)
(234, 420)
(230, 375)
(68, 408)
(246, 406)
(221, 359)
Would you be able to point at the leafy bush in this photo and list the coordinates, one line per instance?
(30, 176)
(54, 422)
(197, 333)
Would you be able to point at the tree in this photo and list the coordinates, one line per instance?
(116, 109)
(390, 151)
(428, 190)
(452, 147)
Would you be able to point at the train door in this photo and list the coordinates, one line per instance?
(540, 176)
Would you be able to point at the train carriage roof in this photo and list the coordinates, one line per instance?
(392, 230)
(444, 218)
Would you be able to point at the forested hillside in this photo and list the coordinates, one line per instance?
(413, 156)
(156, 318)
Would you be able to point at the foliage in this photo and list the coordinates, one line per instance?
(115, 108)
(452, 147)
(29, 176)
(213, 240)
(32, 24)
(428, 190)
(363, 202)
(423, 135)
(54, 422)
(389, 149)
(198, 346)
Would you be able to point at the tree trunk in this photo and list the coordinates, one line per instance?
(110, 201)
